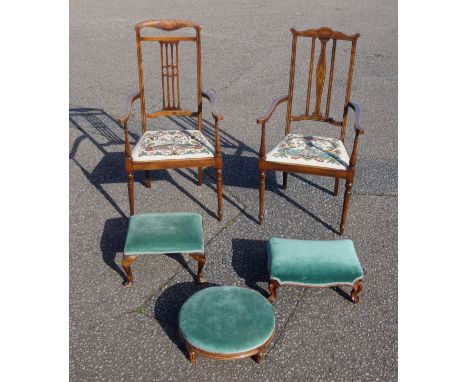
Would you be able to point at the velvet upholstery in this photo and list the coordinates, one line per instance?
(164, 233)
(226, 320)
(313, 262)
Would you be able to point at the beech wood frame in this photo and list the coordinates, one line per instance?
(324, 35)
(127, 261)
(258, 353)
(273, 286)
(170, 108)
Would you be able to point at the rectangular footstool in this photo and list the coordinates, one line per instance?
(313, 263)
(164, 233)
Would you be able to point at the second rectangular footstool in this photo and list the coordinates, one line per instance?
(313, 263)
(164, 233)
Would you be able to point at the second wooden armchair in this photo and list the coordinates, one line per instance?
(307, 153)
(170, 149)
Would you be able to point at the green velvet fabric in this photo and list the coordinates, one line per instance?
(226, 320)
(313, 262)
(164, 233)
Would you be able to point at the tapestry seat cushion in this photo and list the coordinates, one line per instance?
(226, 320)
(314, 151)
(156, 233)
(313, 262)
(172, 144)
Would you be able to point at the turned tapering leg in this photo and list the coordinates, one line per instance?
(347, 199)
(127, 261)
(200, 176)
(131, 193)
(285, 180)
(261, 206)
(219, 188)
(337, 186)
(357, 288)
(272, 288)
(200, 258)
(147, 179)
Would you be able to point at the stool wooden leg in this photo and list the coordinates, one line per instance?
(357, 288)
(127, 261)
(191, 353)
(200, 258)
(260, 356)
(272, 288)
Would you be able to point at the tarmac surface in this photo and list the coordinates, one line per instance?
(119, 334)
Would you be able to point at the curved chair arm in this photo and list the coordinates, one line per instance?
(357, 117)
(271, 109)
(358, 129)
(211, 97)
(127, 108)
(124, 121)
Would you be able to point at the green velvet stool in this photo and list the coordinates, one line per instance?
(226, 322)
(154, 234)
(313, 263)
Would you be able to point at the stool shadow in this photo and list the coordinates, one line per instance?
(168, 304)
(249, 260)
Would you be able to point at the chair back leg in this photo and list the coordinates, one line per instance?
(219, 188)
(200, 176)
(337, 187)
(147, 179)
(285, 180)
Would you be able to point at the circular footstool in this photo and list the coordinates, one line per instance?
(226, 322)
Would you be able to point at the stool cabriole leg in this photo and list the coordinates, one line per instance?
(191, 354)
(200, 258)
(127, 261)
(260, 356)
(357, 288)
(272, 288)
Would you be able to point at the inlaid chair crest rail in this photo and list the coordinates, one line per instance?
(169, 149)
(296, 153)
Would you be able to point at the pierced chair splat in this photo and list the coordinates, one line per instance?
(171, 149)
(310, 154)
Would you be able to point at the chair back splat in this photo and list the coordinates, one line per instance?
(313, 112)
(169, 50)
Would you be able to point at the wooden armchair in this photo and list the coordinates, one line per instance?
(170, 149)
(307, 153)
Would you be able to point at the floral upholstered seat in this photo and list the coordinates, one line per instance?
(310, 151)
(172, 144)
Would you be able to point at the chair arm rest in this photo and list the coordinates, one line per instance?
(211, 97)
(125, 115)
(357, 117)
(271, 109)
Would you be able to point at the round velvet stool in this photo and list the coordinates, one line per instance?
(226, 322)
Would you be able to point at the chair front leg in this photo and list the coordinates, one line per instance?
(347, 199)
(131, 193)
(219, 189)
(261, 204)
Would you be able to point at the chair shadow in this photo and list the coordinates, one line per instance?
(249, 260)
(168, 304)
(113, 242)
(342, 293)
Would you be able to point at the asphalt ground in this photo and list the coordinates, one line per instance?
(121, 334)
